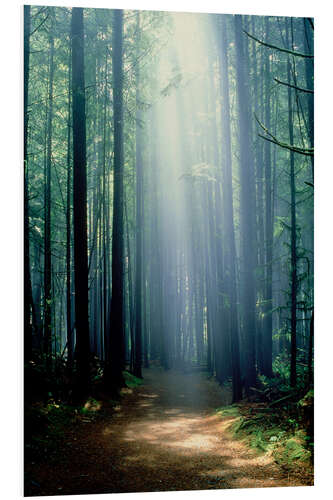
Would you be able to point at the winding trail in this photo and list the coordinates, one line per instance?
(163, 436)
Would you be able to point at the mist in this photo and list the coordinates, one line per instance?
(169, 181)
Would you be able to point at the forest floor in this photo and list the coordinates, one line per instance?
(164, 435)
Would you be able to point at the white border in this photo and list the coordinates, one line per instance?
(11, 201)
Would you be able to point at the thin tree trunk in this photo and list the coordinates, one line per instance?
(47, 213)
(293, 232)
(68, 235)
(267, 358)
(139, 215)
(28, 303)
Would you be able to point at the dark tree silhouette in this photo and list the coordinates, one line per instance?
(80, 203)
(115, 350)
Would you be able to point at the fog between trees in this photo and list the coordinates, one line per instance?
(168, 187)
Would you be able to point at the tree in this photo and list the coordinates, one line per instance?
(229, 215)
(47, 209)
(293, 229)
(192, 233)
(267, 323)
(115, 350)
(28, 304)
(139, 218)
(68, 231)
(80, 203)
(247, 209)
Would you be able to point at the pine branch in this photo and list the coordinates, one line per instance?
(41, 24)
(274, 140)
(301, 89)
(287, 51)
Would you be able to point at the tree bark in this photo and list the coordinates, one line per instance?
(139, 214)
(27, 276)
(68, 234)
(293, 346)
(115, 352)
(47, 212)
(80, 204)
(247, 210)
(267, 324)
(230, 249)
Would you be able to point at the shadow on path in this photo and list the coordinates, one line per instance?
(163, 436)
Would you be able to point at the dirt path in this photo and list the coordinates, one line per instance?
(163, 436)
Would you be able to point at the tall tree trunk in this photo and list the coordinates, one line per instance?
(115, 353)
(104, 215)
(247, 209)
(139, 213)
(27, 276)
(229, 218)
(47, 209)
(293, 346)
(267, 358)
(80, 204)
(258, 97)
(68, 233)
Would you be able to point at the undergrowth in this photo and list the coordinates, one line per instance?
(131, 381)
(276, 418)
(269, 432)
(49, 421)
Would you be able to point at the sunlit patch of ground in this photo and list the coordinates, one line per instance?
(163, 436)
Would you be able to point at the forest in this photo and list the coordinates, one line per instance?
(168, 250)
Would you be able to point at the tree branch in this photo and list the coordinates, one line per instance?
(287, 51)
(41, 24)
(274, 140)
(288, 146)
(301, 89)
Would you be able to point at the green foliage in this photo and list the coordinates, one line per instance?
(131, 381)
(258, 441)
(228, 411)
(46, 383)
(44, 427)
(294, 449)
(91, 406)
(279, 225)
(268, 430)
